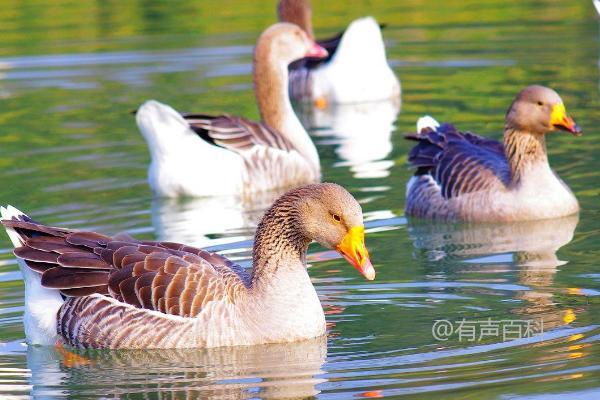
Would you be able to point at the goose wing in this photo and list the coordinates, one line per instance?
(170, 278)
(270, 159)
(236, 133)
(459, 162)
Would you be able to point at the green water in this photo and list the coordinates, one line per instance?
(70, 155)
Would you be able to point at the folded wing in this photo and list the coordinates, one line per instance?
(166, 277)
(235, 133)
(459, 162)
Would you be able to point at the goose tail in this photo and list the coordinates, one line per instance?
(427, 122)
(362, 41)
(359, 70)
(165, 130)
(41, 304)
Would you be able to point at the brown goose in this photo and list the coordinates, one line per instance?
(203, 155)
(462, 176)
(95, 291)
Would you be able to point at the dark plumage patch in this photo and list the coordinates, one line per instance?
(235, 133)
(460, 162)
(330, 44)
(164, 276)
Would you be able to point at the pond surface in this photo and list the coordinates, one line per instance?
(71, 155)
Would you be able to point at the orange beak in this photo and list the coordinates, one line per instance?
(316, 51)
(559, 119)
(352, 247)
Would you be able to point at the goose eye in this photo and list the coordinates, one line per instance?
(336, 217)
(539, 103)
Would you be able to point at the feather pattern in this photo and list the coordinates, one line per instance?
(126, 268)
(459, 162)
(460, 175)
(269, 158)
(236, 133)
(159, 279)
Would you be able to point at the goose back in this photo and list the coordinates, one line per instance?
(120, 292)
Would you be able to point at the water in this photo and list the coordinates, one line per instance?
(70, 154)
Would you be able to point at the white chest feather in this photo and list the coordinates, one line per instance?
(540, 194)
(543, 193)
(289, 309)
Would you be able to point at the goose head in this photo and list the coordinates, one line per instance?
(329, 215)
(540, 110)
(284, 43)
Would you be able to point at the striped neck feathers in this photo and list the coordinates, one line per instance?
(279, 242)
(523, 150)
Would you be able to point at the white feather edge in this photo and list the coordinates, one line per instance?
(427, 121)
(41, 304)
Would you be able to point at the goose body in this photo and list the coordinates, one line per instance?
(201, 155)
(356, 69)
(462, 176)
(94, 291)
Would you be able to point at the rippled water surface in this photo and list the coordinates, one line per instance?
(70, 155)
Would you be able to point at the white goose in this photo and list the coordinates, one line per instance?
(202, 155)
(356, 69)
(95, 291)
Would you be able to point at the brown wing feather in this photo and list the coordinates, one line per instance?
(162, 276)
(236, 133)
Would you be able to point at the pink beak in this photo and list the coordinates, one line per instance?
(316, 51)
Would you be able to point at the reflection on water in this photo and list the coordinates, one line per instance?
(534, 243)
(529, 247)
(209, 221)
(364, 132)
(268, 371)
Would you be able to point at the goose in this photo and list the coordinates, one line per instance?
(89, 290)
(462, 176)
(356, 69)
(203, 155)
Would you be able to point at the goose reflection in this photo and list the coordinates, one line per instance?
(532, 243)
(209, 221)
(364, 131)
(530, 247)
(287, 370)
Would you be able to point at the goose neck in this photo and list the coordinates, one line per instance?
(275, 107)
(279, 244)
(523, 151)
